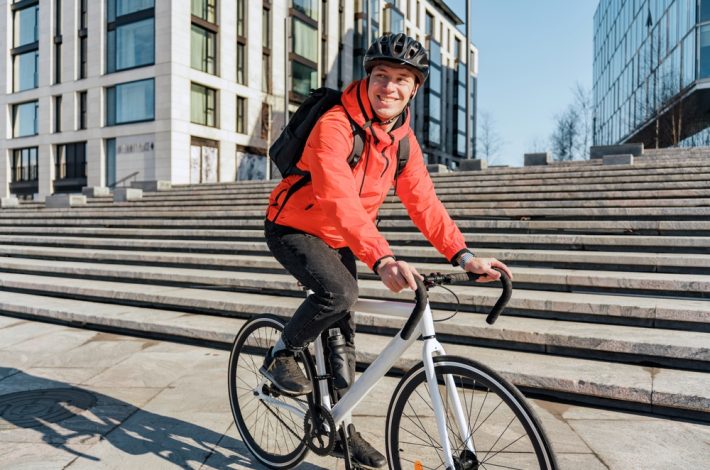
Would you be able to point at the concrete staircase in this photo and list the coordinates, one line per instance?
(611, 264)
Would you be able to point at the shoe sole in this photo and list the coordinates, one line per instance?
(284, 391)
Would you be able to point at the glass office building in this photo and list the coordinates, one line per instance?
(651, 71)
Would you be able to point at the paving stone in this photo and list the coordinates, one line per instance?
(652, 445)
(31, 456)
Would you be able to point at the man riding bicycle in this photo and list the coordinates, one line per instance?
(318, 231)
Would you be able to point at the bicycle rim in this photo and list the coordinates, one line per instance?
(273, 433)
(500, 426)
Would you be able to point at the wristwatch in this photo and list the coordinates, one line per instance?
(465, 258)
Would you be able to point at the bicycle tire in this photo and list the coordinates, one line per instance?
(273, 434)
(493, 407)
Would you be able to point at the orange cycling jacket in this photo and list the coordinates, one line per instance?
(340, 204)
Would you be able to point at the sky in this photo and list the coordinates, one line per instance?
(531, 55)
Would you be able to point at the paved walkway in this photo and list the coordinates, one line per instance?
(138, 403)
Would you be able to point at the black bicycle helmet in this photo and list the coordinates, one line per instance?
(398, 49)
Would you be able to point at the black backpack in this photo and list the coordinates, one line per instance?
(288, 148)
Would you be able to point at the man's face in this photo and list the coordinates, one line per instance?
(390, 89)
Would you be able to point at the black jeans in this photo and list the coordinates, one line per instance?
(330, 273)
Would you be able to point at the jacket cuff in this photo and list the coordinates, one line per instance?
(454, 259)
(377, 263)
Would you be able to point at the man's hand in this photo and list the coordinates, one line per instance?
(398, 275)
(484, 267)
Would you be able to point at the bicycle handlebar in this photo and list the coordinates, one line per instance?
(437, 279)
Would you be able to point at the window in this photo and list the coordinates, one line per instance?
(429, 24)
(305, 78)
(70, 161)
(204, 32)
(203, 105)
(83, 39)
(26, 67)
(265, 121)
(58, 113)
(82, 110)
(24, 164)
(241, 64)
(130, 102)
(704, 10)
(704, 47)
(266, 28)
(130, 40)
(241, 42)
(57, 41)
(307, 7)
(393, 20)
(110, 162)
(204, 49)
(266, 50)
(25, 53)
(241, 115)
(24, 119)
(432, 94)
(241, 18)
(305, 40)
(304, 63)
(26, 25)
(205, 9)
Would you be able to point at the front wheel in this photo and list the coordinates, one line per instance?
(499, 429)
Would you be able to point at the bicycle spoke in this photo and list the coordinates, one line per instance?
(501, 435)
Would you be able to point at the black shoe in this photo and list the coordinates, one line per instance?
(284, 372)
(361, 452)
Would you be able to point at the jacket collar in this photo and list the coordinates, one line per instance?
(358, 107)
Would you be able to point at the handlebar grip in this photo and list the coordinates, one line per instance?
(463, 277)
(503, 300)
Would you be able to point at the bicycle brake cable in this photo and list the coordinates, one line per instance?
(458, 303)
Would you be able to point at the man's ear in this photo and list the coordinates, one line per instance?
(414, 92)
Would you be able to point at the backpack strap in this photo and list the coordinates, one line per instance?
(402, 155)
(358, 143)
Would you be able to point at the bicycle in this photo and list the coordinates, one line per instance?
(446, 412)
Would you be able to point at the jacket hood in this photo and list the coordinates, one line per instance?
(357, 105)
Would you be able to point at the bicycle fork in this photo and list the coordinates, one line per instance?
(433, 347)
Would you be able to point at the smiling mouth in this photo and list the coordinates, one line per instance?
(386, 100)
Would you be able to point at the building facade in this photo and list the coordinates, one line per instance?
(652, 72)
(105, 92)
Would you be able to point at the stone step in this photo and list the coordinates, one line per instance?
(61, 278)
(659, 389)
(558, 170)
(451, 203)
(662, 182)
(609, 260)
(255, 244)
(467, 180)
(563, 280)
(662, 213)
(639, 227)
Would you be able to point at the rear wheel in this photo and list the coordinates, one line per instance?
(270, 422)
(500, 426)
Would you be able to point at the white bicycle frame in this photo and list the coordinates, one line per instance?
(380, 366)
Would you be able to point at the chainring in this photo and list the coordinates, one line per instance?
(319, 439)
